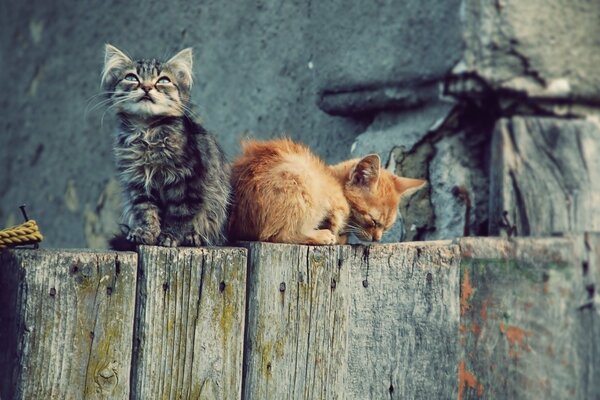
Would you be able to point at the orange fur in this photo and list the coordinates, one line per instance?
(285, 193)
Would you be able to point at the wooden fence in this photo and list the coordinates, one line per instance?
(473, 318)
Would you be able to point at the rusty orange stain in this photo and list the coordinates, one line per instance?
(515, 337)
(465, 293)
(479, 390)
(476, 329)
(467, 379)
(462, 328)
(514, 334)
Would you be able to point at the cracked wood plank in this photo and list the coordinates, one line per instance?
(545, 173)
(351, 322)
(66, 324)
(189, 323)
(520, 330)
(297, 311)
(404, 312)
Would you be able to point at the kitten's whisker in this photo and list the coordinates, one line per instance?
(99, 94)
(116, 103)
(189, 110)
(89, 108)
(95, 106)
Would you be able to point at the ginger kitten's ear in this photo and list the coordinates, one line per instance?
(366, 172)
(182, 65)
(114, 62)
(405, 184)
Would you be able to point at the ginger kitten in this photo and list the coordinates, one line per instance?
(284, 193)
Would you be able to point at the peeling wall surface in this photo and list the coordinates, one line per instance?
(422, 83)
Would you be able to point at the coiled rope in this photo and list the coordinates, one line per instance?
(26, 233)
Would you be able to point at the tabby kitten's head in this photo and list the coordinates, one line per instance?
(147, 88)
(374, 195)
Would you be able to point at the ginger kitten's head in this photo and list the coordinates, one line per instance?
(147, 88)
(374, 194)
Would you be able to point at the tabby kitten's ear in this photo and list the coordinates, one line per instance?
(366, 172)
(405, 184)
(114, 62)
(182, 66)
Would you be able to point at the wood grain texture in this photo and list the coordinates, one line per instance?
(361, 322)
(403, 321)
(589, 314)
(67, 324)
(521, 334)
(189, 323)
(297, 310)
(545, 172)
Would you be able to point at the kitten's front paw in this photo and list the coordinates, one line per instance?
(321, 237)
(193, 239)
(167, 240)
(141, 235)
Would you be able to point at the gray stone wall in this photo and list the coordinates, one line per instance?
(422, 83)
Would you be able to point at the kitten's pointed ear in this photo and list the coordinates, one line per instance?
(114, 61)
(407, 184)
(366, 172)
(182, 65)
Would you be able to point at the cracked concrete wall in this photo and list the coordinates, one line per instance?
(422, 83)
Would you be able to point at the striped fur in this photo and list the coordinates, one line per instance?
(174, 176)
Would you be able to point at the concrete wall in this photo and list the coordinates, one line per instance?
(420, 82)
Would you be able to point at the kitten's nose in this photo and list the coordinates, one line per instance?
(146, 87)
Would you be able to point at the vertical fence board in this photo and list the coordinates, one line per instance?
(189, 323)
(404, 313)
(67, 324)
(520, 329)
(296, 322)
(589, 312)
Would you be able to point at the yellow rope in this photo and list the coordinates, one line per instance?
(26, 233)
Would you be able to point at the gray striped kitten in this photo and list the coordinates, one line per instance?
(173, 173)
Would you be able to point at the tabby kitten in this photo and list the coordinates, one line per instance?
(285, 193)
(173, 173)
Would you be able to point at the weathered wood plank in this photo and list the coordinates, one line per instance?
(520, 329)
(297, 310)
(189, 323)
(66, 324)
(404, 315)
(589, 313)
(361, 322)
(545, 172)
